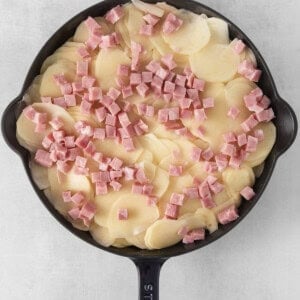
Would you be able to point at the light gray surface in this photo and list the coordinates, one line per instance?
(260, 259)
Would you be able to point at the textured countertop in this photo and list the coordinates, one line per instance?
(259, 259)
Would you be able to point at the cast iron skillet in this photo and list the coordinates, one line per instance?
(149, 262)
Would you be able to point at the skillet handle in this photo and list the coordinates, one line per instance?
(288, 125)
(148, 270)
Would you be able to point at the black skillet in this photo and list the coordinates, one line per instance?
(148, 262)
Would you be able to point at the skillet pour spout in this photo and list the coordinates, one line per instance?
(149, 262)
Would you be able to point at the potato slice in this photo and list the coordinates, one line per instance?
(137, 240)
(106, 66)
(105, 202)
(236, 179)
(160, 182)
(111, 148)
(191, 37)
(77, 115)
(264, 147)
(219, 31)
(155, 146)
(101, 235)
(140, 216)
(164, 233)
(148, 8)
(33, 93)
(39, 175)
(234, 199)
(258, 170)
(48, 86)
(215, 63)
(145, 156)
(25, 127)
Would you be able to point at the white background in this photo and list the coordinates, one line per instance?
(260, 259)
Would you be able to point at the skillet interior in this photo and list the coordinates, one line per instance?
(285, 122)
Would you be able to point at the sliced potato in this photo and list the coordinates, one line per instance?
(106, 66)
(101, 235)
(264, 147)
(25, 127)
(140, 216)
(77, 115)
(48, 86)
(219, 31)
(215, 63)
(191, 37)
(258, 170)
(160, 182)
(137, 240)
(39, 175)
(148, 8)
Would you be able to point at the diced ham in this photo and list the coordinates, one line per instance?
(101, 188)
(85, 107)
(115, 14)
(70, 100)
(78, 198)
(221, 161)
(151, 19)
(92, 25)
(66, 89)
(63, 166)
(115, 174)
(129, 173)
(83, 52)
(208, 102)
(152, 200)
(175, 170)
(87, 81)
(137, 188)
(116, 163)
(229, 137)
(259, 134)
(141, 176)
(66, 195)
(97, 156)
(82, 68)
(200, 114)
(42, 157)
(265, 115)
(163, 115)
(114, 108)
(235, 162)
(74, 213)
(254, 75)
(168, 61)
(122, 214)
(100, 114)
(56, 123)
(207, 154)
(177, 199)
(127, 91)
(171, 211)
(123, 70)
(264, 102)
(81, 171)
(40, 118)
(196, 154)
(180, 80)
(171, 24)
(252, 143)
(197, 234)
(242, 139)
(147, 189)
(110, 120)
(173, 113)
(250, 100)
(249, 123)
(142, 89)
(115, 185)
(88, 210)
(101, 176)
(110, 131)
(95, 93)
(82, 141)
(228, 149)
(135, 78)
(207, 202)
(239, 46)
(216, 187)
(199, 84)
(193, 94)
(47, 141)
(247, 192)
(108, 41)
(233, 112)
(227, 215)
(128, 144)
(40, 127)
(185, 103)
(113, 93)
(188, 239)
(136, 50)
(169, 87)
(153, 66)
(73, 153)
(147, 30)
(80, 161)
(191, 192)
(258, 93)
(93, 41)
(179, 92)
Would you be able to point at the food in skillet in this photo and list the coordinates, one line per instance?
(147, 127)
